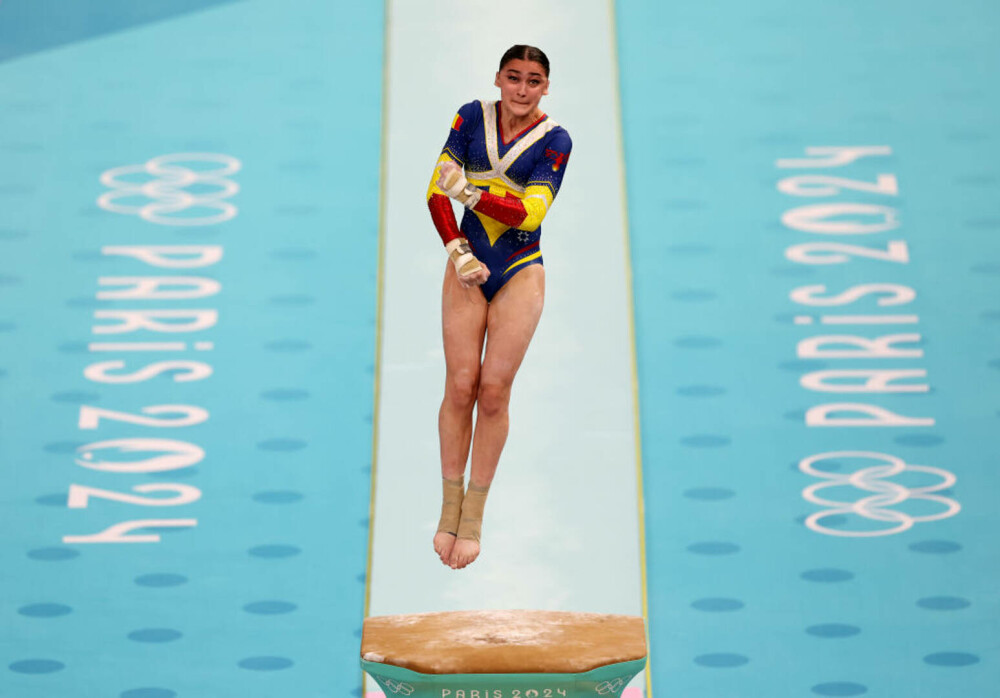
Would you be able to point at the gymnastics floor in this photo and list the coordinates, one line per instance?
(760, 409)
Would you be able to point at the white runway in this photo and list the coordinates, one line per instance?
(573, 433)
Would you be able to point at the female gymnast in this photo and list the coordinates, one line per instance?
(504, 161)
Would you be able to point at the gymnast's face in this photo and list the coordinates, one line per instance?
(522, 84)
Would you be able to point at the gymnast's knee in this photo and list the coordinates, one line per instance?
(461, 389)
(493, 397)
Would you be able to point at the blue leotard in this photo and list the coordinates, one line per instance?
(520, 178)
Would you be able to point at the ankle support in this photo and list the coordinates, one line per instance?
(471, 525)
(451, 505)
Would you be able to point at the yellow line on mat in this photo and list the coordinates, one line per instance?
(619, 136)
(378, 307)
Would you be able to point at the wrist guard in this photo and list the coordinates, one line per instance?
(461, 256)
(457, 187)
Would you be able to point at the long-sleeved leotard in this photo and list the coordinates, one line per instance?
(519, 179)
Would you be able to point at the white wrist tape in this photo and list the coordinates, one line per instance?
(472, 195)
(461, 256)
(454, 183)
(457, 187)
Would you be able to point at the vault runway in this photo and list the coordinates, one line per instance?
(760, 408)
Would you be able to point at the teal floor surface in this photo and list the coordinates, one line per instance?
(812, 200)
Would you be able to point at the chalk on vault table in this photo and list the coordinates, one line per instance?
(503, 654)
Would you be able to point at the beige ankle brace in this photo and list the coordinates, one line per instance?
(471, 525)
(451, 505)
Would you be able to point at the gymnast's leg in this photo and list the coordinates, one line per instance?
(510, 323)
(463, 317)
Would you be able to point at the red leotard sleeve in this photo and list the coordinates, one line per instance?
(507, 209)
(443, 216)
(455, 148)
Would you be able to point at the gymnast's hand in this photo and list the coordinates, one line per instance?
(453, 182)
(449, 174)
(476, 278)
(469, 270)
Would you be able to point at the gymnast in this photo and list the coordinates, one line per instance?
(504, 162)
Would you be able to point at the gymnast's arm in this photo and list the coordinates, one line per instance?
(470, 271)
(543, 185)
(440, 205)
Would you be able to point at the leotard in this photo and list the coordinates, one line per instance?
(519, 178)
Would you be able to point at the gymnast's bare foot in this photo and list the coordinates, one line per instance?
(464, 553)
(443, 544)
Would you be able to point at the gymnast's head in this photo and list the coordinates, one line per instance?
(523, 78)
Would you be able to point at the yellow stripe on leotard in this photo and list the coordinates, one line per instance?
(519, 262)
(494, 229)
(537, 199)
(542, 183)
(495, 186)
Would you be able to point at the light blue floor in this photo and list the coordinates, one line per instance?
(745, 600)
(265, 594)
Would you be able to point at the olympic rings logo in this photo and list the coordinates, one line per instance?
(606, 687)
(167, 195)
(886, 494)
(398, 687)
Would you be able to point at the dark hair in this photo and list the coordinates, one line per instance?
(525, 53)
